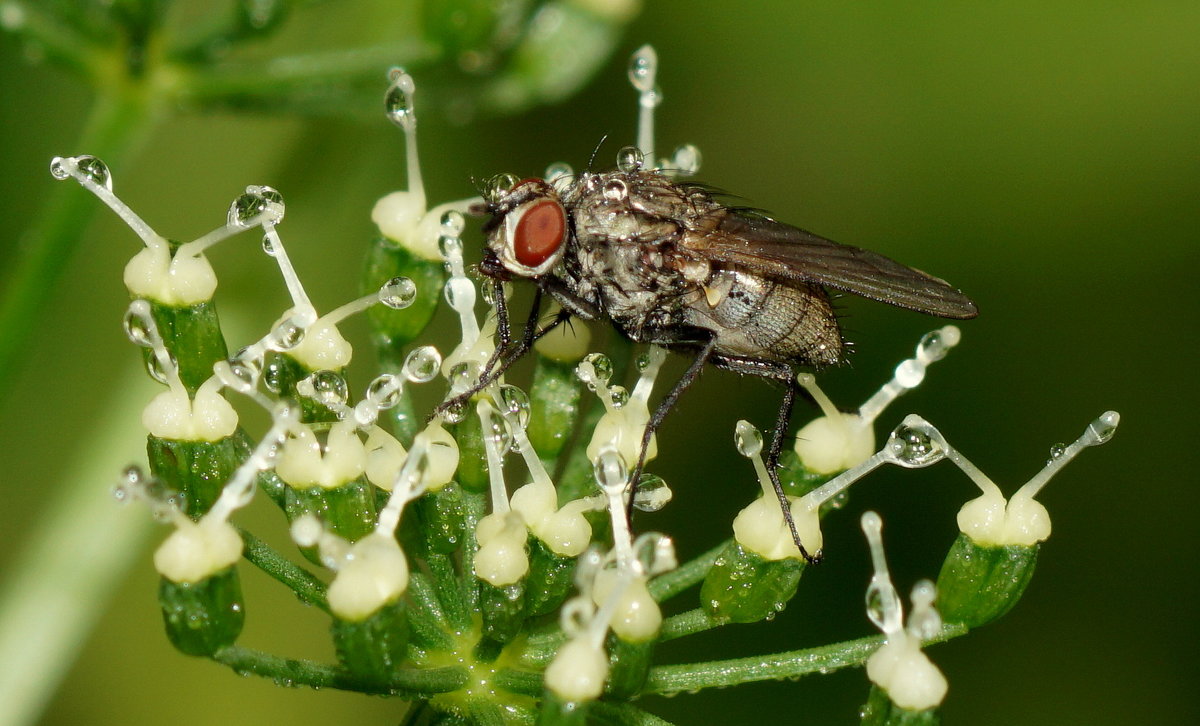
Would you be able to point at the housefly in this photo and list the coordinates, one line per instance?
(668, 263)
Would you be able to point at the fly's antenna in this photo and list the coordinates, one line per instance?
(592, 160)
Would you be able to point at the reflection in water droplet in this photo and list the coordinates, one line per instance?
(329, 388)
(257, 202)
(643, 65)
(687, 160)
(287, 335)
(452, 223)
(398, 101)
(913, 447)
(615, 190)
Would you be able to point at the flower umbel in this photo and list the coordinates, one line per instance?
(444, 587)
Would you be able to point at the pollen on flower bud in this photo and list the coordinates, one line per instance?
(373, 574)
(197, 550)
(579, 670)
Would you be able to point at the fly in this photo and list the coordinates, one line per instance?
(667, 263)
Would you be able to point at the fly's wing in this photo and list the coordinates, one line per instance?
(782, 251)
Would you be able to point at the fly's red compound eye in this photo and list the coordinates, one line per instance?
(539, 232)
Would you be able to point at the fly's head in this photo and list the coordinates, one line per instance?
(527, 232)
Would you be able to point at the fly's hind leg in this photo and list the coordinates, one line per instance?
(785, 375)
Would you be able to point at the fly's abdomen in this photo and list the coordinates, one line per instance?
(762, 318)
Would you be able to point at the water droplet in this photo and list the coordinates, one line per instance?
(365, 414)
(453, 223)
(610, 471)
(422, 364)
(499, 434)
(460, 294)
(451, 247)
(94, 169)
(329, 388)
(875, 608)
(748, 439)
(287, 335)
(630, 159)
(384, 391)
(615, 190)
(162, 371)
(398, 293)
(137, 329)
(260, 14)
(1103, 428)
(240, 374)
(58, 168)
(1057, 450)
(652, 493)
(455, 412)
(913, 447)
(498, 186)
(273, 375)
(463, 375)
(515, 403)
(257, 202)
(398, 101)
(643, 65)
(602, 367)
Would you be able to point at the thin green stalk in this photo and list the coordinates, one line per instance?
(118, 123)
(624, 714)
(307, 586)
(297, 672)
(793, 664)
(670, 584)
(692, 621)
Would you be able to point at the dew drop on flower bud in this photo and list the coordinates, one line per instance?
(384, 391)
(287, 335)
(329, 388)
(95, 170)
(912, 446)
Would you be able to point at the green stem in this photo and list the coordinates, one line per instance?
(624, 714)
(692, 621)
(307, 586)
(118, 122)
(57, 41)
(668, 585)
(296, 672)
(793, 664)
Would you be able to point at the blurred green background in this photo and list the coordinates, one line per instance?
(1043, 156)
